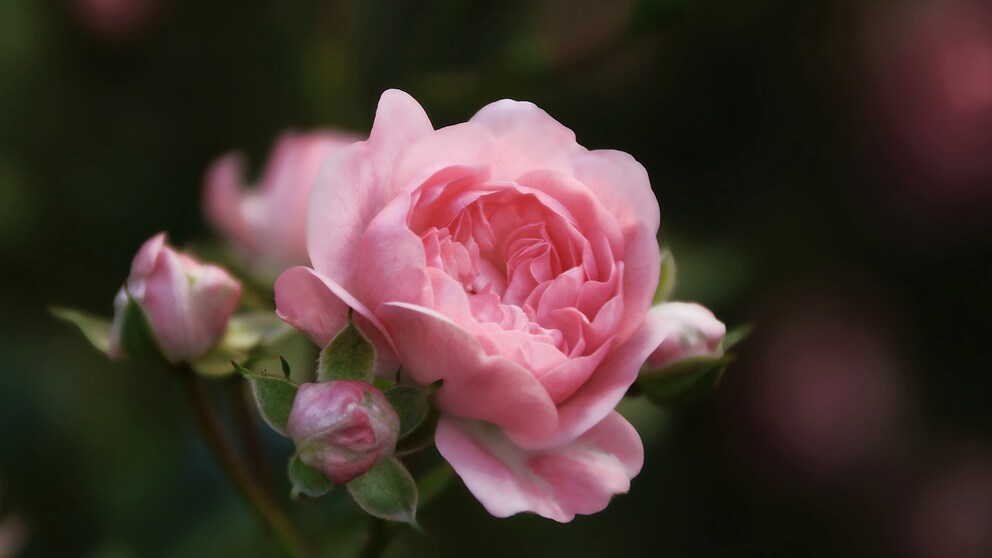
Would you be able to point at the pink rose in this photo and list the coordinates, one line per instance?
(187, 303)
(691, 331)
(499, 256)
(342, 428)
(266, 223)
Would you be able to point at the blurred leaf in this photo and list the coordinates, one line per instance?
(434, 483)
(137, 339)
(411, 405)
(350, 356)
(666, 279)
(274, 397)
(306, 480)
(682, 382)
(735, 336)
(95, 329)
(387, 491)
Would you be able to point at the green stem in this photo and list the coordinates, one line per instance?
(250, 440)
(212, 433)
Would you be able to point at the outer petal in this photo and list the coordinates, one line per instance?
(600, 395)
(641, 268)
(356, 184)
(319, 308)
(476, 385)
(579, 477)
(622, 184)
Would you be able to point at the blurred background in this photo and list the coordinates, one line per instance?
(824, 170)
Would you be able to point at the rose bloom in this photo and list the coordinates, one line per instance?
(499, 256)
(266, 223)
(187, 303)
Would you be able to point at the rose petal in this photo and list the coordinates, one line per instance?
(579, 477)
(621, 184)
(356, 183)
(477, 386)
(600, 394)
(319, 308)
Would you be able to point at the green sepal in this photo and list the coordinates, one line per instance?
(274, 397)
(735, 336)
(682, 382)
(411, 404)
(95, 329)
(666, 279)
(350, 356)
(137, 339)
(387, 491)
(422, 436)
(306, 480)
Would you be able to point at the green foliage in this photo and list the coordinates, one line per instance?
(411, 405)
(387, 491)
(306, 480)
(95, 329)
(274, 397)
(350, 356)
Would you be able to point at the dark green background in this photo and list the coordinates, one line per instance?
(757, 129)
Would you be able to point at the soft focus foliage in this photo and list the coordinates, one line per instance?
(796, 157)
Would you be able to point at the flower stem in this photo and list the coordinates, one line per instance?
(250, 441)
(212, 433)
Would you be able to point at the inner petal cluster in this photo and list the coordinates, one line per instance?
(539, 289)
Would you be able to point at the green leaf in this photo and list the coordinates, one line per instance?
(411, 405)
(274, 397)
(137, 339)
(433, 483)
(286, 372)
(350, 356)
(682, 382)
(387, 491)
(666, 279)
(306, 480)
(735, 336)
(95, 329)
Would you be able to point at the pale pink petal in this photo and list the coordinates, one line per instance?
(147, 256)
(319, 308)
(622, 184)
(164, 295)
(508, 116)
(357, 182)
(476, 385)
(641, 268)
(600, 394)
(578, 477)
(693, 331)
(222, 196)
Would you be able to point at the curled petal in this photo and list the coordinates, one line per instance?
(578, 477)
(475, 385)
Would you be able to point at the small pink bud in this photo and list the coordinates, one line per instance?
(187, 303)
(342, 428)
(692, 331)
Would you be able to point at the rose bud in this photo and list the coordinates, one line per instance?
(187, 304)
(342, 428)
(692, 331)
(266, 223)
